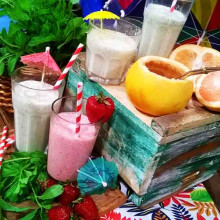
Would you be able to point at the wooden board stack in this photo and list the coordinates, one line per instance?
(156, 156)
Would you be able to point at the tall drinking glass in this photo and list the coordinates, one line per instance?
(32, 100)
(111, 49)
(161, 27)
(68, 151)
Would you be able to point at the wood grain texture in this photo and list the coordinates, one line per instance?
(151, 164)
(185, 120)
(109, 200)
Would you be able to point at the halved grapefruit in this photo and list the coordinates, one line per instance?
(208, 90)
(194, 79)
(153, 89)
(196, 57)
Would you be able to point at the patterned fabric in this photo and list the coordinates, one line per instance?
(193, 204)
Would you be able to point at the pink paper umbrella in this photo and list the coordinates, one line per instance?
(41, 60)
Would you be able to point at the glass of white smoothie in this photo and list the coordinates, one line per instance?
(111, 49)
(161, 28)
(32, 101)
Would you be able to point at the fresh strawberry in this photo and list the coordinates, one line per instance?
(59, 213)
(87, 209)
(70, 193)
(51, 182)
(99, 108)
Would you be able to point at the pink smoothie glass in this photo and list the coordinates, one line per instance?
(68, 151)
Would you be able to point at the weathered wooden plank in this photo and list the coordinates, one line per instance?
(185, 120)
(138, 150)
(171, 181)
(133, 145)
(176, 148)
(201, 151)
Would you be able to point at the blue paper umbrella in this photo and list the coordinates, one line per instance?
(96, 176)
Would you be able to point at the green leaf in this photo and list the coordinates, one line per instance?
(43, 176)
(25, 5)
(7, 207)
(48, 206)
(21, 39)
(2, 68)
(42, 39)
(201, 195)
(2, 13)
(43, 215)
(13, 29)
(32, 215)
(52, 192)
(11, 63)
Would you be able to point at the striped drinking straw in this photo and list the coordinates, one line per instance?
(2, 144)
(68, 66)
(9, 141)
(79, 105)
(173, 6)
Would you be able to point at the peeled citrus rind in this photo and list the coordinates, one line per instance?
(152, 89)
(196, 57)
(207, 90)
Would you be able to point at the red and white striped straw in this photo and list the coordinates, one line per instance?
(173, 6)
(79, 105)
(9, 141)
(68, 66)
(2, 144)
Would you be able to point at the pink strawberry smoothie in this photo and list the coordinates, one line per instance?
(67, 151)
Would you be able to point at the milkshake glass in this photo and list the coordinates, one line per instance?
(32, 100)
(161, 28)
(111, 49)
(68, 151)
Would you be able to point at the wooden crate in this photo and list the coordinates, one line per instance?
(156, 156)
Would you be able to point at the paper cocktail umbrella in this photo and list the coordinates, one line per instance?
(96, 176)
(41, 60)
(100, 15)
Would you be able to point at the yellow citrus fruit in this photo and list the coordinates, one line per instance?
(208, 90)
(153, 89)
(196, 57)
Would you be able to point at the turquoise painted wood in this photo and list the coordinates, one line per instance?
(140, 153)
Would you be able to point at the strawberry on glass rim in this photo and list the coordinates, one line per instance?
(99, 108)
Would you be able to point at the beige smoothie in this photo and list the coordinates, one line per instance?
(109, 55)
(32, 102)
(160, 30)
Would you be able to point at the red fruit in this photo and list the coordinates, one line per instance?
(70, 193)
(99, 108)
(87, 209)
(51, 182)
(59, 213)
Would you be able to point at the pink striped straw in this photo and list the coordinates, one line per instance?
(2, 144)
(79, 106)
(173, 6)
(68, 66)
(9, 141)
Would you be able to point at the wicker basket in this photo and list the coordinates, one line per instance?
(5, 94)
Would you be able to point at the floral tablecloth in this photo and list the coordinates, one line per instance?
(193, 204)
